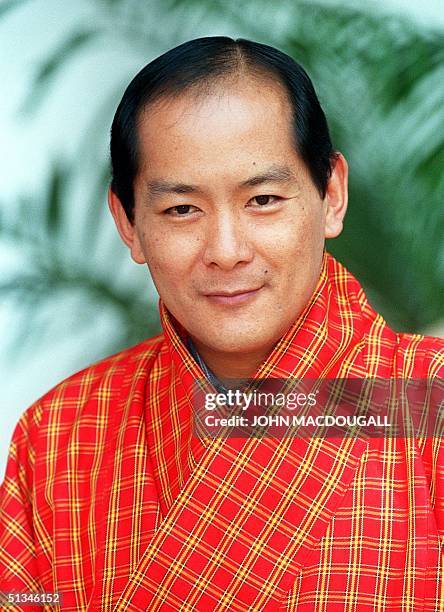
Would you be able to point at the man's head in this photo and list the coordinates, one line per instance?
(225, 183)
(199, 65)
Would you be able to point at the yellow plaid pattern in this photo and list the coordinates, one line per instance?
(109, 498)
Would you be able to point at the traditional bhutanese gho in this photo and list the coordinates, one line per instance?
(112, 500)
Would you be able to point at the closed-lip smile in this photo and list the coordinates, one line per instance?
(233, 297)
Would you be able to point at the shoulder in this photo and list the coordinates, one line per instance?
(91, 391)
(79, 411)
(105, 371)
(421, 356)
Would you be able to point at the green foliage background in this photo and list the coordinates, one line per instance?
(381, 82)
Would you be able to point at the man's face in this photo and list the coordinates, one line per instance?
(226, 215)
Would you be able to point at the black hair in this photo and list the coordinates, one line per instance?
(199, 63)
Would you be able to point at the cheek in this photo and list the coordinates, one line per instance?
(169, 258)
(294, 239)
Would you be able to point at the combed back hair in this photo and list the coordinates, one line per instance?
(199, 64)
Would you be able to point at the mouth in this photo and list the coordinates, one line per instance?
(233, 298)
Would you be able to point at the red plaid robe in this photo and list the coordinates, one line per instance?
(110, 499)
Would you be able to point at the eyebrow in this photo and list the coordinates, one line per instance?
(273, 174)
(160, 187)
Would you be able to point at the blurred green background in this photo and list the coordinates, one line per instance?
(68, 292)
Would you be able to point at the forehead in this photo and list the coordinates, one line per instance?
(243, 121)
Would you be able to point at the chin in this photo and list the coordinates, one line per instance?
(238, 343)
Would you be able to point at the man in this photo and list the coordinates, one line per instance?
(225, 184)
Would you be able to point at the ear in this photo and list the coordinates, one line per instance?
(126, 229)
(336, 197)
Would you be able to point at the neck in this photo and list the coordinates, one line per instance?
(231, 365)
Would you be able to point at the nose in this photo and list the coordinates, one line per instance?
(227, 242)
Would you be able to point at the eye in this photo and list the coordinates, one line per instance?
(182, 210)
(264, 200)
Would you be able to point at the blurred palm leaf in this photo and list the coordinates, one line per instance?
(50, 273)
(8, 5)
(47, 71)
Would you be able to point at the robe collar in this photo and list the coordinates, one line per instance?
(313, 346)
